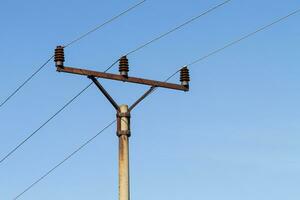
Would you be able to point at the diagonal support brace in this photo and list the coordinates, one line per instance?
(148, 92)
(105, 93)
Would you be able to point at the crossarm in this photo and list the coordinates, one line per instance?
(122, 78)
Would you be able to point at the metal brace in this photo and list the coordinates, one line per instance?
(119, 131)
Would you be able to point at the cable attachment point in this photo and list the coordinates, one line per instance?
(59, 57)
(123, 123)
(124, 66)
(185, 76)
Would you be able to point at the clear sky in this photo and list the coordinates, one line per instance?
(234, 136)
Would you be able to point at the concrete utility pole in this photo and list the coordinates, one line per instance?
(124, 134)
(123, 111)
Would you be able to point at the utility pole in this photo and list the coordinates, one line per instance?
(123, 111)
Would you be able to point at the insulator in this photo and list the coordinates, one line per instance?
(184, 76)
(59, 57)
(123, 66)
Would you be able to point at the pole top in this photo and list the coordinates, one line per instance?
(123, 105)
(123, 108)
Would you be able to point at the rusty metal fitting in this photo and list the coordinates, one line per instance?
(59, 57)
(119, 120)
(120, 133)
(121, 115)
(126, 114)
(123, 66)
(184, 76)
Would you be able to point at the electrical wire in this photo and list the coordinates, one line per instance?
(49, 119)
(237, 41)
(46, 122)
(85, 88)
(171, 76)
(67, 45)
(245, 37)
(175, 29)
(107, 22)
(26, 81)
(64, 160)
(179, 27)
(231, 44)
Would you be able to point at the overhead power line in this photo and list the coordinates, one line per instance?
(244, 37)
(26, 81)
(64, 160)
(107, 22)
(180, 26)
(40, 127)
(171, 76)
(47, 121)
(67, 45)
(85, 88)
(234, 42)
(175, 29)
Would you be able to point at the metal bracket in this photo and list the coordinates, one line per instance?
(127, 114)
(105, 93)
(148, 92)
(120, 133)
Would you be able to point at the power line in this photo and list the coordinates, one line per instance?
(176, 28)
(48, 120)
(63, 161)
(152, 91)
(75, 97)
(231, 44)
(245, 37)
(238, 40)
(107, 22)
(85, 88)
(70, 43)
(26, 81)
(179, 27)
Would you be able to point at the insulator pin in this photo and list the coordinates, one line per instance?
(59, 57)
(123, 66)
(184, 76)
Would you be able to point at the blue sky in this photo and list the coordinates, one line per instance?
(234, 136)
